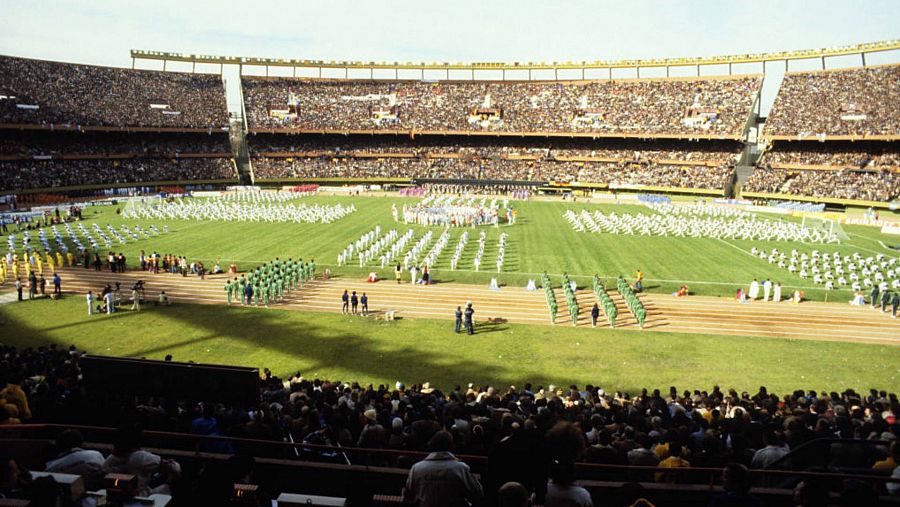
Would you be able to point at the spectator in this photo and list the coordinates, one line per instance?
(736, 482)
(566, 445)
(441, 479)
(128, 458)
(72, 459)
(513, 494)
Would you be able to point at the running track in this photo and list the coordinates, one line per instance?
(693, 314)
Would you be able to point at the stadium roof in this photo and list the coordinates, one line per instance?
(870, 47)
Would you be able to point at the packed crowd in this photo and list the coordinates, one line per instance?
(851, 155)
(20, 175)
(514, 426)
(490, 148)
(679, 176)
(39, 143)
(853, 102)
(845, 184)
(43, 92)
(680, 106)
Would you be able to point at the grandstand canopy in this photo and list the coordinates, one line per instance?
(785, 56)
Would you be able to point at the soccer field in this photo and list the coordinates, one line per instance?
(541, 240)
(412, 350)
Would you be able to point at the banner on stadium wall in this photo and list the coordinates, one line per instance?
(626, 186)
(816, 214)
(769, 209)
(891, 228)
(351, 188)
(863, 221)
(242, 188)
(733, 202)
(207, 193)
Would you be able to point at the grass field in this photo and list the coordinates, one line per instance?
(346, 348)
(542, 240)
(421, 350)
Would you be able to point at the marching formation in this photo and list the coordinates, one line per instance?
(451, 211)
(696, 222)
(463, 239)
(269, 282)
(233, 211)
(835, 271)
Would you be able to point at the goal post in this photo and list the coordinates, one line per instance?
(825, 225)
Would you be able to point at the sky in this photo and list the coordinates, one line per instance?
(103, 31)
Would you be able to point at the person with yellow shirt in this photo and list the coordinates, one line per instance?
(59, 260)
(13, 394)
(890, 463)
(673, 461)
(70, 258)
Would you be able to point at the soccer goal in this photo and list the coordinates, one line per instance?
(826, 226)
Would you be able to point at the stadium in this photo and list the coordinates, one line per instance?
(251, 280)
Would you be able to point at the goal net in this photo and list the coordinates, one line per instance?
(826, 226)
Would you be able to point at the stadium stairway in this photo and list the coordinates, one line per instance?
(241, 152)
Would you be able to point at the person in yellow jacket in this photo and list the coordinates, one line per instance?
(70, 258)
(14, 395)
(59, 260)
(673, 461)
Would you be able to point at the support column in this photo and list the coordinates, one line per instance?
(132, 64)
(503, 74)
(863, 56)
(698, 70)
(320, 72)
(638, 68)
(556, 74)
(823, 62)
(582, 73)
(729, 68)
(164, 65)
(294, 71)
(346, 73)
(193, 67)
(221, 69)
(667, 71)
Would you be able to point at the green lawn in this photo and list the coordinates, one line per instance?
(338, 347)
(541, 240)
(332, 346)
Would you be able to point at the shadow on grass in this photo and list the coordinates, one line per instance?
(319, 346)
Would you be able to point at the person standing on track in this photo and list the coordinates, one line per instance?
(248, 293)
(228, 290)
(354, 303)
(470, 324)
(345, 302)
(595, 314)
(459, 316)
(397, 272)
(365, 304)
(57, 284)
